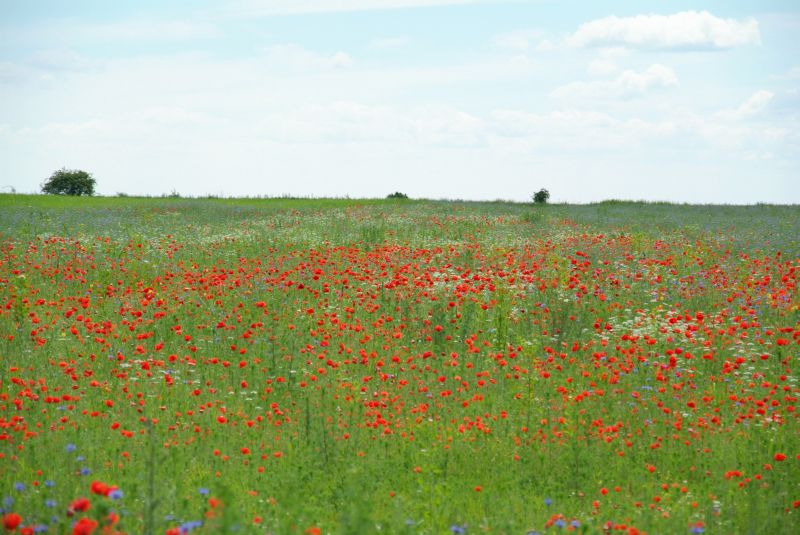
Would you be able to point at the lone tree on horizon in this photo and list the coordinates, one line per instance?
(69, 182)
(541, 196)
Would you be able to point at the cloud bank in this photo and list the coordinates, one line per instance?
(695, 30)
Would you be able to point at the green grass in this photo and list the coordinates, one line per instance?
(392, 366)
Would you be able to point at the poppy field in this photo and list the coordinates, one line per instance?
(392, 366)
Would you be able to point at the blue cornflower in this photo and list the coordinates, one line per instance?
(459, 530)
(115, 494)
(71, 447)
(203, 491)
(575, 524)
(50, 503)
(697, 529)
(49, 483)
(186, 527)
(19, 487)
(560, 523)
(85, 471)
(548, 502)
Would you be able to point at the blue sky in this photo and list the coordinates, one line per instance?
(482, 99)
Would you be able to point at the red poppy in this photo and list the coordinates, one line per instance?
(11, 521)
(78, 505)
(84, 526)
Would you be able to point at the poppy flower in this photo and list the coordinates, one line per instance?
(11, 521)
(84, 526)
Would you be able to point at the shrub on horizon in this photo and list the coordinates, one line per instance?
(69, 182)
(541, 196)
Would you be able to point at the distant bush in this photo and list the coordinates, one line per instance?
(397, 195)
(69, 182)
(541, 196)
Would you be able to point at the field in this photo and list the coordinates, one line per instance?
(374, 366)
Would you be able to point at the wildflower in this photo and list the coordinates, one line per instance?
(84, 526)
(186, 527)
(100, 488)
(11, 521)
(78, 505)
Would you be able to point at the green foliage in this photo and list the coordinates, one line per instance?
(541, 196)
(69, 182)
(397, 195)
(533, 217)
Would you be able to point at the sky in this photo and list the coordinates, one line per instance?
(682, 101)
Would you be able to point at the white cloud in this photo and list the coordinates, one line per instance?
(62, 60)
(602, 67)
(293, 56)
(357, 148)
(345, 122)
(567, 130)
(754, 105)
(684, 30)
(628, 84)
(524, 40)
(791, 74)
(606, 62)
(519, 40)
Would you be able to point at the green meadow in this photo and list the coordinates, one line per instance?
(174, 365)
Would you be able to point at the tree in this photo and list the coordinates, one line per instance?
(69, 182)
(397, 195)
(541, 196)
